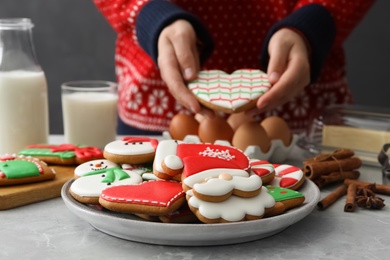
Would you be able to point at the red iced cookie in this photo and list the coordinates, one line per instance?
(158, 197)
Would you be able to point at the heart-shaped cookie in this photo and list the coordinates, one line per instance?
(230, 93)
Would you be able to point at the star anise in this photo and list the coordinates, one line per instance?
(366, 198)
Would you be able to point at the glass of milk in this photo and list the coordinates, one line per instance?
(89, 110)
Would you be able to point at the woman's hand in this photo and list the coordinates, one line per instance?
(288, 70)
(178, 60)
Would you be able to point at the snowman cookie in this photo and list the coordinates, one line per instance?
(94, 165)
(88, 187)
(131, 150)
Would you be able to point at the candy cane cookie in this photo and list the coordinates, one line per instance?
(264, 169)
(288, 176)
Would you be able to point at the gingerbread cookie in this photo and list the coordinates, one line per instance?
(264, 169)
(232, 93)
(131, 150)
(285, 199)
(288, 176)
(158, 198)
(20, 169)
(225, 185)
(94, 165)
(252, 203)
(144, 170)
(88, 187)
(64, 154)
(174, 157)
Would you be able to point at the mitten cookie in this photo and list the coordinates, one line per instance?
(158, 197)
(20, 169)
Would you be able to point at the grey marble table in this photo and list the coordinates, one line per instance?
(48, 230)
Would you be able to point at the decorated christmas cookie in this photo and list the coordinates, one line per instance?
(158, 197)
(144, 170)
(232, 93)
(264, 169)
(288, 176)
(20, 169)
(226, 185)
(94, 165)
(131, 150)
(88, 187)
(193, 158)
(229, 199)
(285, 199)
(233, 209)
(64, 154)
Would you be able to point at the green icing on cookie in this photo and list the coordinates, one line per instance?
(19, 169)
(111, 174)
(281, 194)
(47, 152)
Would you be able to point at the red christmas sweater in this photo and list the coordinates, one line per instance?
(236, 33)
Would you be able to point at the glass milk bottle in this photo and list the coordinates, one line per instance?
(23, 88)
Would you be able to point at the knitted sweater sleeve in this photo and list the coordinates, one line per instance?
(324, 24)
(156, 15)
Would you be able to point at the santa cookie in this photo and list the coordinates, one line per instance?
(229, 199)
(175, 158)
(64, 154)
(131, 150)
(89, 186)
(158, 198)
(288, 176)
(232, 93)
(19, 169)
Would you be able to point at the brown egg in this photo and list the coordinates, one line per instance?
(251, 133)
(182, 125)
(277, 128)
(215, 128)
(237, 119)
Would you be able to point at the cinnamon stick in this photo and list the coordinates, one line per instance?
(334, 177)
(332, 197)
(350, 203)
(337, 154)
(314, 170)
(377, 188)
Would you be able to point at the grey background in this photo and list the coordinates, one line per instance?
(73, 41)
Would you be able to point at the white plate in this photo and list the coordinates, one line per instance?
(132, 228)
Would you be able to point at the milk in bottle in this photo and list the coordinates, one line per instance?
(23, 89)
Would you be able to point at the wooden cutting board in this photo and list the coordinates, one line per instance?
(19, 195)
